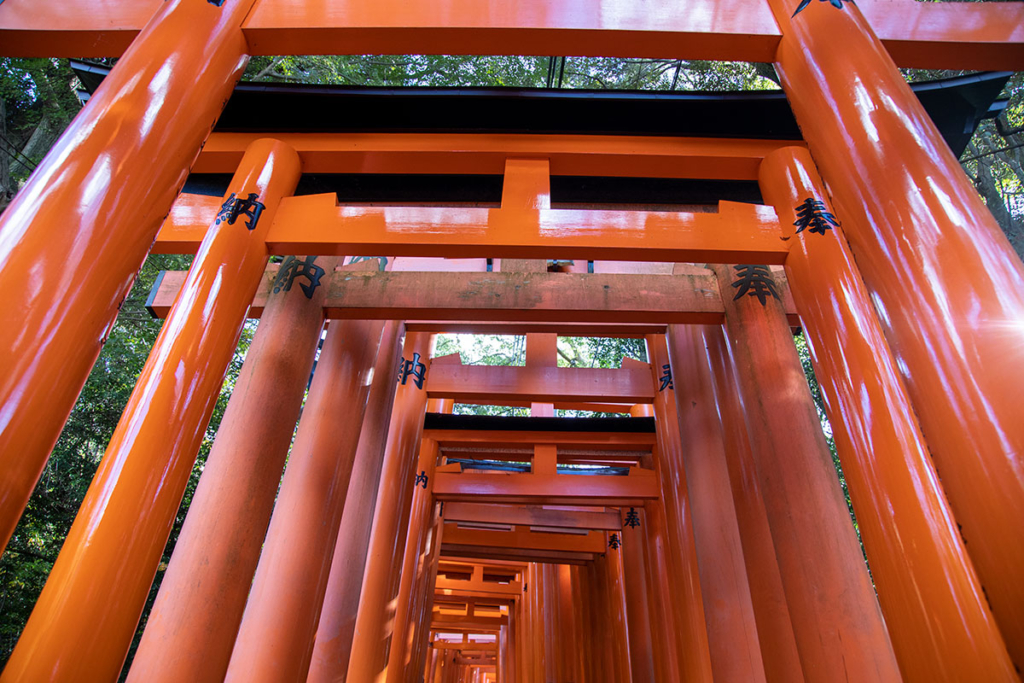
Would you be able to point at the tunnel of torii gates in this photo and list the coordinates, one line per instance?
(704, 537)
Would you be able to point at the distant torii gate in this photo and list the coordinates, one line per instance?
(910, 295)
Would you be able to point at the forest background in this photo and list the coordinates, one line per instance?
(39, 97)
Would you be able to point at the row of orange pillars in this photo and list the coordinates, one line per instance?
(748, 564)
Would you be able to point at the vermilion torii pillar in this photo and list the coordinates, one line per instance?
(83, 622)
(630, 558)
(275, 639)
(947, 284)
(192, 626)
(333, 642)
(838, 627)
(732, 629)
(685, 599)
(774, 627)
(391, 516)
(76, 234)
(940, 625)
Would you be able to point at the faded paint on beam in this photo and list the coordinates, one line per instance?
(499, 297)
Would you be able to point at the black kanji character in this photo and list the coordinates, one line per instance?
(421, 478)
(293, 268)
(233, 208)
(755, 281)
(632, 519)
(814, 214)
(666, 378)
(614, 542)
(412, 367)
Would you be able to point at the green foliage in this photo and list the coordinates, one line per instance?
(55, 501)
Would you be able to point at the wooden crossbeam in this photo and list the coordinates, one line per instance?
(511, 297)
(611, 441)
(469, 646)
(982, 36)
(539, 384)
(556, 489)
(569, 155)
(543, 556)
(514, 303)
(521, 515)
(456, 622)
(315, 224)
(521, 538)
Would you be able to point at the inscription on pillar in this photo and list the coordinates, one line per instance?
(218, 3)
(632, 519)
(292, 268)
(235, 207)
(754, 281)
(666, 378)
(838, 4)
(813, 214)
(614, 542)
(421, 479)
(412, 368)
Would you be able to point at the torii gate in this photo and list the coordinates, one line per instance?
(911, 297)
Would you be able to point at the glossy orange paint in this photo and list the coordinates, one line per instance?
(552, 489)
(587, 155)
(391, 518)
(314, 224)
(732, 629)
(940, 625)
(193, 623)
(836, 621)
(633, 563)
(78, 231)
(415, 568)
(275, 639)
(685, 597)
(947, 284)
(333, 642)
(983, 36)
(84, 620)
(774, 628)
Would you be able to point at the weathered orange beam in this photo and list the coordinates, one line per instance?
(527, 297)
(558, 489)
(516, 554)
(540, 384)
(532, 516)
(984, 35)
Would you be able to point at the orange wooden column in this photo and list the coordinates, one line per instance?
(609, 576)
(391, 516)
(685, 596)
(774, 628)
(333, 642)
(939, 622)
(732, 630)
(836, 621)
(633, 565)
(192, 626)
(275, 639)
(76, 234)
(948, 285)
(416, 568)
(550, 633)
(665, 631)
(84, 620)
(570, 643)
